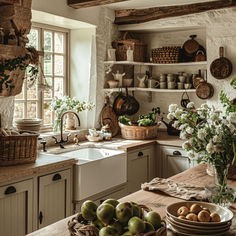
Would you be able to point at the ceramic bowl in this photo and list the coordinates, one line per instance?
(127, 82)
(113, 83)
(187, 86)
(225, 214)
(28, 124)
(93, 138)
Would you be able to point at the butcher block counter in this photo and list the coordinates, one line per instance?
(157, 201)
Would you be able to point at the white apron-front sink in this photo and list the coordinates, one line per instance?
(97, 170)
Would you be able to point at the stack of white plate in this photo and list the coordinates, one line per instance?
(28, 124)
(193, 228)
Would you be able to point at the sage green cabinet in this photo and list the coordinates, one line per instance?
(16, 208)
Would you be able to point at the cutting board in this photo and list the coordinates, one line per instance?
(108, 116)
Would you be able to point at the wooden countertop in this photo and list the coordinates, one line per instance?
(156, 201)
(47, 162)
(44, 163)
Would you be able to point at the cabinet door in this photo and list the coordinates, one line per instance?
(55, 197)
(175, 161)
(16, 204)
(138, 169)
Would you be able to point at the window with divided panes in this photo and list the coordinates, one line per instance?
(34, 102)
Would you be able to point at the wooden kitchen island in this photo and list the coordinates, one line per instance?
(157, 201)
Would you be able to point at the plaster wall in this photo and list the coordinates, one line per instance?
(82, 41)
(60, 8)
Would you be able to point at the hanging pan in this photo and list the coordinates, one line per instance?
(205, 90)
(221, 68)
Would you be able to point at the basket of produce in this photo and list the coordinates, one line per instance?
(145, 128)
(166, 54)
(121, 46)
(17, 147)
(115, 218)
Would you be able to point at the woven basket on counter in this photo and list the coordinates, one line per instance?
(139, 132)
(81, 229)
(126, 43)
(166, 54)
(18, 149)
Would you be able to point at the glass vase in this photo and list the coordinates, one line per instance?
(219, 192)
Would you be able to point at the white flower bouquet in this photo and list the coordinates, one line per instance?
(66, 103)
(211, 137)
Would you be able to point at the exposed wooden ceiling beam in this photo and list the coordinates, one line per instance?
(134, 16)
(90, 3)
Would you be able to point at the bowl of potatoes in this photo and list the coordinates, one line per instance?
(198, 218)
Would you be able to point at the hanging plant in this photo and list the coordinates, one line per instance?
(12, 70)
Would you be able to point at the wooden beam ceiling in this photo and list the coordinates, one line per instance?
(90, 3)
(134, 16)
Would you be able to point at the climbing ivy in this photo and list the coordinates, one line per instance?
(13, 64)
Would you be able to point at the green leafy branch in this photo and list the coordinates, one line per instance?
(12, 64)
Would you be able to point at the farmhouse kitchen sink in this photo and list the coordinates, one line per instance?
(97, 170)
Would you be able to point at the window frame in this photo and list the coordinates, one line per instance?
(40, 100)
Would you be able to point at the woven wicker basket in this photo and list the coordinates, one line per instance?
(21, 149)
(139, 132)
(79, 229)
(123, 45)
(166, 54)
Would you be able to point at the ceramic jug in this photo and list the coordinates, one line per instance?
(111, 54)
(130, 54)
(142, 81)
(118, 77)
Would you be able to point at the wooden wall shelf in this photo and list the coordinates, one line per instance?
(154, 64)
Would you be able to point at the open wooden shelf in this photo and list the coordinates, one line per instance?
(112, 90)
(203, 63)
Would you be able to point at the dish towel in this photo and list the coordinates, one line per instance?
(174, 189)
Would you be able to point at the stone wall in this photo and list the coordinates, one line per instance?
(218, 29)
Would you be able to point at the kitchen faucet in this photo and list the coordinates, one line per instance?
(61, 129)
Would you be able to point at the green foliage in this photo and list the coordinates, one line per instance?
(11, 65)
(233, 82)
(145, 122)
(150, 119)
(226, 102)
(124, 120)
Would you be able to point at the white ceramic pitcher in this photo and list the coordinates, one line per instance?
(118, 76)
(142, 81)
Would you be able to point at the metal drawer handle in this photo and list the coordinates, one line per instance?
(56, 177)
(10, 190)
(40, 217)
(140, 154)
(176, 153)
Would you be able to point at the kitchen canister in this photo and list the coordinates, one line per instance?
(111, 54)
(130, 54)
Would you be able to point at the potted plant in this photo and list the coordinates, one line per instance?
(145, 127)
(211, 138)
(66, 104)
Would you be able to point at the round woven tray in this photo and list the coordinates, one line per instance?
(77, 228)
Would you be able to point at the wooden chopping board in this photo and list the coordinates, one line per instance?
(108, 116)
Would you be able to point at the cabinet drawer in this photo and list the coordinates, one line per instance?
(175, 152)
